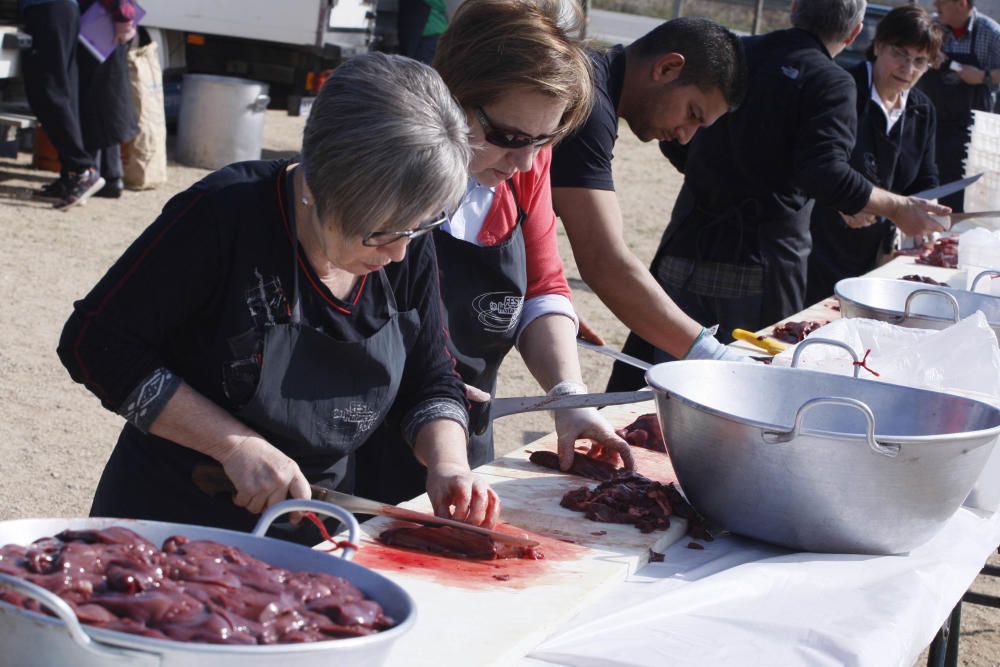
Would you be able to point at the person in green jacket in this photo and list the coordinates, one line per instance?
(420, 24)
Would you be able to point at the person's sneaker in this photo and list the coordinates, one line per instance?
(81, 187)
(54, 191)
(112, 189)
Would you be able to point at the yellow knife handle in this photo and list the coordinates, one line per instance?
(770, 345)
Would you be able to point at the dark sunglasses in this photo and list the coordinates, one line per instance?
(379, 239)
(505, 139)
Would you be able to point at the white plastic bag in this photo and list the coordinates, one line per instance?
(962, 359)
(978, 251)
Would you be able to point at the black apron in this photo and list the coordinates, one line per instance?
(483, 289)
(715, 267)
(107, 114)
(840, 251)
(954, 102)
(729, 267)
(317, 400)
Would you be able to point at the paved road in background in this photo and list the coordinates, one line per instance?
(618, 28)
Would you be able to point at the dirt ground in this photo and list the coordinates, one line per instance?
(55, 436)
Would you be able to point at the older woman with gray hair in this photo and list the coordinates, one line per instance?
(253, 325)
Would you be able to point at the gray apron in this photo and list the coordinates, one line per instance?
(317, 401)
(482, 288)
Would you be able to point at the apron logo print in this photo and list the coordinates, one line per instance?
(498, 311)
(357, 414)
(266, 300)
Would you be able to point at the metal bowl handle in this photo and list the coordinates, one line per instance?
(826, 341)
(951, 299)
(329, 509)
(981, 275)
(65, 613)
(890, 450)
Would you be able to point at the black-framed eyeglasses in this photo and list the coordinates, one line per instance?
(505, 139)
(379, 239)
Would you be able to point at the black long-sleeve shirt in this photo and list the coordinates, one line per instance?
(751, 178)
(902, 159)
(191, 297)
(791, 138)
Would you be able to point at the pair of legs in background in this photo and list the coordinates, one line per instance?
(52, 84)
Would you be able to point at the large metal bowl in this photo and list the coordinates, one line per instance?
(912, 304)
(819, 462)
(31, 639)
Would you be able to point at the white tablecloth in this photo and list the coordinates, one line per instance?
(741, 602)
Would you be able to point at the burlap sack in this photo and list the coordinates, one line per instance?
(145, 157)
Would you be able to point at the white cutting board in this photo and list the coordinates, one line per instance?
(492, 612)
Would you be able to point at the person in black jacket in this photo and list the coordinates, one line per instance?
(107, 115)
(735, 251)
(253, 325)
(894, 147)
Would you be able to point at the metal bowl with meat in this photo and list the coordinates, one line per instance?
(820, 462)
(59, 638)
(912, 304)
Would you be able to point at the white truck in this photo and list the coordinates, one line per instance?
(288, 44)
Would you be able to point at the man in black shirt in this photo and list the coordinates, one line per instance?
(681, 76)
(735, 251)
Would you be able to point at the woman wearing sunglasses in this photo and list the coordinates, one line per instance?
(894, 147)
(253, 327)
(524, 83)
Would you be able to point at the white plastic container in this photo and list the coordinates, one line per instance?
(978, 251)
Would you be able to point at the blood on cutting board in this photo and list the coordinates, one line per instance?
(512, 573)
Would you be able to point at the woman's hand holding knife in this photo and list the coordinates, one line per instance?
(261, 473)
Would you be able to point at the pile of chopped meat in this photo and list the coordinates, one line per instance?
(192, 591)
(644, 432)
(630, 498)
(916, 278)
(456, 543)
(943, 252)
(583, 465)
(795, 332)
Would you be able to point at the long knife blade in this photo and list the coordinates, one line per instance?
(947, 188)
(614, 354)
(501, 407)
(364, 506)
(212, 479)
(969, 215)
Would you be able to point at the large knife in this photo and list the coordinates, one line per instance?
(212, 479)
(614, 354)
(947, 188)
(501, 407)
(948, 221)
